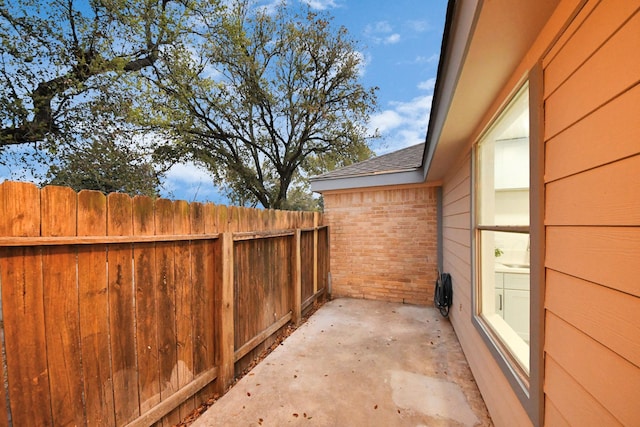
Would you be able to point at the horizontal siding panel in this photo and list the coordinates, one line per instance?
(610, 317)
(574, 403)
(458, 235)
(459, 174)
(607, 195)
(613, 69)
(602, 137)
(460, 279)
(458, 250)
(553, 417)
(574, 25)
(458, 192)
(503, 404)
(593, 32)
(461, 220)
(604, 255)
(610, 379)
(457, 266)
(459, 206)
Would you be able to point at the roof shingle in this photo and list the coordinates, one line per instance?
(405, 159)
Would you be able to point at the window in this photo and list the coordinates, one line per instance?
(502, 236)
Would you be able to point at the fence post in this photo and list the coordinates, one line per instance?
(226, 373)
(297, 280)
(315, 252)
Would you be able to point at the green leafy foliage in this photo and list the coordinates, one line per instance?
(263, 98)
(107, 167)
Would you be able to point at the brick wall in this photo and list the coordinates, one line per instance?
(383, 243)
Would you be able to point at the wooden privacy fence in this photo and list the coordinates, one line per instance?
(132, 311)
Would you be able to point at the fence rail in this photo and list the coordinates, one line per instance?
(131, 311)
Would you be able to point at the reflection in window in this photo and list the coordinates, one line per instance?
(502, 229)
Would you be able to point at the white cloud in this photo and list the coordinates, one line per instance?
(429, 84)
(321, 4)
(392, 39)
(380, 27)
(189, 173)
(380, 31)
(427, 59)
(404, 124)
(363, 61)
(420, 26)
(385, 121)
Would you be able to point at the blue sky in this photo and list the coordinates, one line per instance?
(400, 41)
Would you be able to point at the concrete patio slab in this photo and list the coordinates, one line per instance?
(359, 363)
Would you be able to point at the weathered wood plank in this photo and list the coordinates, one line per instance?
(121, 311)
(199, 277)
(145, 295)
(94, 311)
(23, 309)
(226, 309)
(296, 303)
(97, 240)
(184, 309)
(168, 405)
(59, 207)
(201, 269)
(209, 307)
(166, 305)
(258, 339)
(308, 264)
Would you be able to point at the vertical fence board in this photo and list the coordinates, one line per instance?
(212, 253)
(296, 303)
(94, 311)
(307, 258)
(202, 276)
(184, 311)
(61, 307)
(116, 330)
(23, 310)
(145, 301)
(225, 316)
(121, 310)
(166, 297)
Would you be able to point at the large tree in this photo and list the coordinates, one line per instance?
(106, 166)
(261, 99)
(66, 66)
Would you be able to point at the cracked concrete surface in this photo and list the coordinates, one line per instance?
(359, 363)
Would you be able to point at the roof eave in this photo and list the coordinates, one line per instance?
(462, 16)
(411, 176)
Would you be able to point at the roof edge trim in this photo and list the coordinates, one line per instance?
(414, 176)
(462, 16)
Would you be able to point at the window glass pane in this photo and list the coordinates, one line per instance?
(503, 173)
(503, 256)
(505, 295)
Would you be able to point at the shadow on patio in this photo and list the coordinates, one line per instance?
(359, 363)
